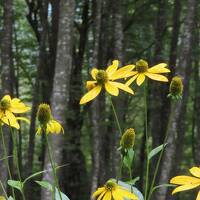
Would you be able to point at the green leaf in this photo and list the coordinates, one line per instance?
(33, 175)
(155, 151)
(64, 197)
(163, 185)
(133, 181)
(128, 158)
(16, 184)
(45, 184)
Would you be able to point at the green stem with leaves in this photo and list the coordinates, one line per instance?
(147, 140)
(161, 153)
(16, 160)
(52, 165)
(6, 159)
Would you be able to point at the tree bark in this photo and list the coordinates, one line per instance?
(60, 94)
(176, 126)
(7, 74)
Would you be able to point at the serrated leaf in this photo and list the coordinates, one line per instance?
(45, 184)
(128, 158)
(15, 184)
(64, 197)
(155, 151)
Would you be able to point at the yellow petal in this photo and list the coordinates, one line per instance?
(185, 187)
(123, 72)
(91, 94)
(98, 191)
(126, 194)
(18, 107)
(107, 196)
(122, 87)
(113, 90)
(130, 81)
(160, 68)
(198, 196)
(117, 195)
(94, 72)
(7, 98)
(157, 77)
(195, 171)
(39, 130)
(140, 79)
(10, 120)
(183, 180)
(23, 119)
(112, 68)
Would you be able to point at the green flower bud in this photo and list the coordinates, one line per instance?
(128, 139)
(44, 114)
(176, 88)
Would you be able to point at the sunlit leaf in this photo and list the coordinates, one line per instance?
(45, 184)
(155, 151)
(15, 184)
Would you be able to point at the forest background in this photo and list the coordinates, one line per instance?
(47, 50)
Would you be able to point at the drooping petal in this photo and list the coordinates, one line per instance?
(183, 180)
(113, 90)
(98, 191)
(140, 79)
(122, 87)
(160, 68)
(18, 107)
(157, 77)
(185, 187)
(10, 120)
(123, 72)
(195, 171)
(117, 195)
(107, 196)
(101, 195)
(91, 94)
(112, 68)
(198, 196)
(94, 72)
(131, 80)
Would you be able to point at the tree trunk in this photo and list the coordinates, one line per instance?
(176, 126)
(60, 94)
(75, 180)
(7, 74)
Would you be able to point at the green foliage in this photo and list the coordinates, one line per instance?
(155, 151)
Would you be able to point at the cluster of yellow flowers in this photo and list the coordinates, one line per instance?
(107, 78)
(9, 107)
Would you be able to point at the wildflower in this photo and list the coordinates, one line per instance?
(142, 70)
(47, 123)
(187, 182)
(113, 191)
(128, 139)
(9, 107)
(176, 88)
(106, 78)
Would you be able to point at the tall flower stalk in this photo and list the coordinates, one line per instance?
(49, 125)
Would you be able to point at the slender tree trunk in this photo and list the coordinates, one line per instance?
(7, 74)
(75, 180)
(60, 94)
(176, 127)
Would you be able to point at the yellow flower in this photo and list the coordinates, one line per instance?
(142, 70)
(2, 198)
(47, 123)
(9, 106)
(106, 78)
(187, 182)
(113, 191)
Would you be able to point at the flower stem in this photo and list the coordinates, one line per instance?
(52, 165)
(16, 160)
(3, 189)
(6, 159)
(147, 140)
(116, 117)
(161, 153)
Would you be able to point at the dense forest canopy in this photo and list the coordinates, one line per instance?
(48, 50)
